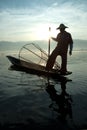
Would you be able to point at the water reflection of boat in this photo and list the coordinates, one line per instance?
(61, 103)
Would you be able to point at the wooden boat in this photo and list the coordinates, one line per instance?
(22, 64)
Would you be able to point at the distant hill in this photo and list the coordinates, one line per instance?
(80, 44)
(6, 45)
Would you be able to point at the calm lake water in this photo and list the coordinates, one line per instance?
(28, 101)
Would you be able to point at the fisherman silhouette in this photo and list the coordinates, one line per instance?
(64, 41)
(63, 100)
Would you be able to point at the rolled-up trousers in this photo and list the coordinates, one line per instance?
(53, 56)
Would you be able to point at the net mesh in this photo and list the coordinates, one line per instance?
(33, 53)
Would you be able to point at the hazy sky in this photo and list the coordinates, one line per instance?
(24, 20)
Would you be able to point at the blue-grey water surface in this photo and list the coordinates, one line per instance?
(26, 102)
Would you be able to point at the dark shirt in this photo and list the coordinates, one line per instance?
(64, 39)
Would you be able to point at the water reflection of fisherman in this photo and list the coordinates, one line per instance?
(63, 100)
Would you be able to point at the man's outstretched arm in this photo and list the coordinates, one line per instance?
(55, 39)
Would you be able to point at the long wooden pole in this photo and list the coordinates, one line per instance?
(48, 53)
(49, 42)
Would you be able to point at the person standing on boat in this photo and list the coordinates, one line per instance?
(63, 39)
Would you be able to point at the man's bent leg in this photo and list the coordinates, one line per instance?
(50, 63)
(51, 60)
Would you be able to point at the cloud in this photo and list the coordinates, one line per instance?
(18, 17)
